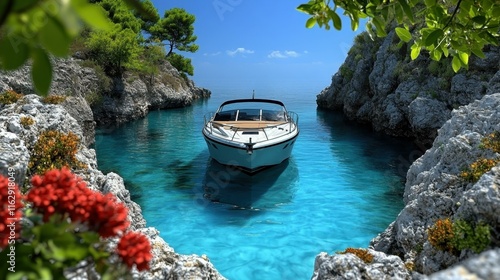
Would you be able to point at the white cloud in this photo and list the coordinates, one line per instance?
(284, 54)
(239, 50)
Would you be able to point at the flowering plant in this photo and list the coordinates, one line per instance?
(61, 226)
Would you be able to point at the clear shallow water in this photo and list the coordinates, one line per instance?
(342, 186)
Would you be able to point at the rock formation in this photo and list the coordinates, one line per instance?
(379, 85)
(434, 190)
(16, 143)
(113, 100)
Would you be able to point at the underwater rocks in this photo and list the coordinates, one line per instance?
(17, 140)
(435, 190)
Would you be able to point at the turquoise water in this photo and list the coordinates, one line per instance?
(342, 186)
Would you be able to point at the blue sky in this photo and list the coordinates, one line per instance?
(248, 44)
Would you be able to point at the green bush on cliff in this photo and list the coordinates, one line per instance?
(475, 170)
(459, 235)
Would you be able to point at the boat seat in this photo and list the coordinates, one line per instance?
(247, 124)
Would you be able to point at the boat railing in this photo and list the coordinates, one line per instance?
(291, 118)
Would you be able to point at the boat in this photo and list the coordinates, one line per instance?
(251, 134)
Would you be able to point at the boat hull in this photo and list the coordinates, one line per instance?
(238, 155)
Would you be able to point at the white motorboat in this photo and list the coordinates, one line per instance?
(251, 134)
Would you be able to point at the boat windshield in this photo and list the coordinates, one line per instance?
(251, 111)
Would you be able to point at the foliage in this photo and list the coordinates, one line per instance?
(177, 28)
(363, 254)
(492, 142)
(477, 238)
(54, 149)
(152, 56)
(459, 235)
(26, 121)
(37, 29)
(441, 235)
(114, 49)
(457, 28)
(181, 63)
(66, 223)
(478, 168)
(54, 99)
(483, 165)
(9, 97)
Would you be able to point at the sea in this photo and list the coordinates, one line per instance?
(342, 186)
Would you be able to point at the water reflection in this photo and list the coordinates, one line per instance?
(268, 188)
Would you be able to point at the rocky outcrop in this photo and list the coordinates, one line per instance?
(16, 144)
(378, 84)
(434, 190)
(113, 100)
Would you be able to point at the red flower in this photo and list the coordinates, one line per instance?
(10, 211)
(134, 248)
(60, 191)
(107, 216)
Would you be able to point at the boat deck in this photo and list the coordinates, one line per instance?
(247, 124)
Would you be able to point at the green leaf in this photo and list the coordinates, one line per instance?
(445, 50)
(92, 14)
(432, 38)
(481, 19)
(14, 52)
(337, 22)
(464, 57)
(415, 51)
(456, 64)
(436, 54)
(380, 27)
(403, 34)
(406, 9)
(306, 8)
(310, 22)
(399, 13)
(354, 22)
(41, 72)
(478, 52)
(54, 38)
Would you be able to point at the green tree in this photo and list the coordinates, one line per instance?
(177, 28)
(115, 49)
(181, 63)
(456, 28)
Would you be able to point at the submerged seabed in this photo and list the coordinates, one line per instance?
(342, 186)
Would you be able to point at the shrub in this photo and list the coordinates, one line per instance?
(67, 223)
(440, 235)
(54, 149)
(363, 254)
(54, 99)
(27, 121)
(492, 142)
(459, 235)
(476, 169)
(9, 97)
(467, 236)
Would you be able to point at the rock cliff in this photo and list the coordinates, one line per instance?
(16, 144)
(379, 85)
(435, 190)
(112, 100)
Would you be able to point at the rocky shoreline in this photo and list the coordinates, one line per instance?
(435, 190)
(76, 116)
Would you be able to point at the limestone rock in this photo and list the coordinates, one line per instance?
(379, 84)
(16, 142)
(349, 266)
